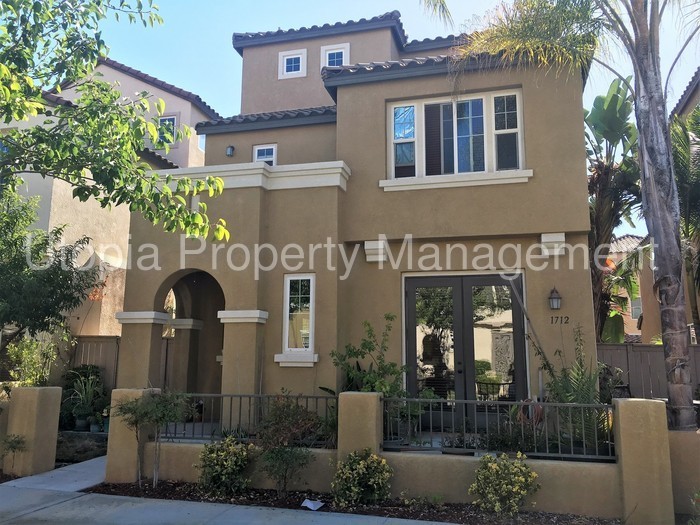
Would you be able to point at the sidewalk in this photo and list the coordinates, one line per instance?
(52, 498)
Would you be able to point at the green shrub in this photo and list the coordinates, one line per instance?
(11, 444)
(222, 467)
(285, 430)
(362, 478)
(503, 484)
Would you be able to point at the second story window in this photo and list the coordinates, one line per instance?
(166, 132)
(266, 153)
(335, 55)
(292, 64)
(474, 134)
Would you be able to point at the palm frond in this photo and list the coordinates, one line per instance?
(439, 9)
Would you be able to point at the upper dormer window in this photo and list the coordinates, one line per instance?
(166, 133)
(292, 64)
(335, 55)
(266, 153)
(479, 133)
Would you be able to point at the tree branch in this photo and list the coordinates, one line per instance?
(617, 74)
(678, 56)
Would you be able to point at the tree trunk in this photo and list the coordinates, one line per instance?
(662, 214)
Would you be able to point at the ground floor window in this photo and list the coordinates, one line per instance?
(299, 291)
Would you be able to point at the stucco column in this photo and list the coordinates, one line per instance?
(140, 348)
(182, 367)
(643, 457)
(359, 422)
(243, 337)
(122, 447)
(33, 414)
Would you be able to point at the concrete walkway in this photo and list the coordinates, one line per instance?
(53, 497)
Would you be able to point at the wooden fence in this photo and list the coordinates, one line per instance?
(643, 367)
(102, 351)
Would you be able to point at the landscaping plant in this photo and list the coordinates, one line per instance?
(152, 412)
(222, 467)
(11, 444)
(361, 478)
(502, 484)
(283, 436)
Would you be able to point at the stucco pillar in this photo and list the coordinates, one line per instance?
(359, 422)
(243, 336)
(33, 414)
(122, 447)
(643, 457)
(183, 357)
(140, 349)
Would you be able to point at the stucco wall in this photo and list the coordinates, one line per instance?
(685, 468)
(260, 68)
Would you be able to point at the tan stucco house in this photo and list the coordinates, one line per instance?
(354, 141)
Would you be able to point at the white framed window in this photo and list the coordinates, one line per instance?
(299, 297)
(292, 64)
(439, 140)
(266, 153)
(166, 129)
(636, 308)
(335, 55)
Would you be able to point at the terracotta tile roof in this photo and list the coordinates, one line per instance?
(685, 97)
(625, 243)
(633, 338)
(391, 19)
(439, 42)
(368, 67)
(159, 161)
(267, 119)
(173, 90)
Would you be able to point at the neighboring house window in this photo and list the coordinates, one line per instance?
(477, 133)
(202, 142)
(299, 293)
(636, 308)
(292, 64)
(167, 124)
(335, 55)
(266, 153)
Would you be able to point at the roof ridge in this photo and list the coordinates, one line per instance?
(166, 86)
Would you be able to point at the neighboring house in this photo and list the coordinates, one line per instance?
(351, 132)
(109, 229)
(621, 248)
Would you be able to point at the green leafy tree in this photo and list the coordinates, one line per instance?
(685, 139)
(565, 35)
(40, 279)
(93, 142)
(613, 185)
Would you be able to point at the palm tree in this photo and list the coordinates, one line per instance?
(685, 139)
(564, 35)
(613, 185)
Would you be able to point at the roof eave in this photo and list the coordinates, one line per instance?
(205, 128)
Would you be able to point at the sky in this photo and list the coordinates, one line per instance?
(192, 48)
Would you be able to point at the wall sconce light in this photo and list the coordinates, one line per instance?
(554, 300)
(230, 150)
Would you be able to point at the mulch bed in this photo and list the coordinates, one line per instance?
(407, 509)
(6, 477)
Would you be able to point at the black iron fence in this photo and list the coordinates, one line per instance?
(212, 417)
(540, 430)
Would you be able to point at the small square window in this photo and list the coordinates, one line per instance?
(266, 153)
(166, 131)
(292, 64)
(335, 55)
(335, 58)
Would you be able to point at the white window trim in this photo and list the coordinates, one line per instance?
(299, 357)
(489, 176)
(326, 50)
(283, 56)
(265, 146)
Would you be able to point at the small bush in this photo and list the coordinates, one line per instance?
(222, 466)
(503, 484)
(362, 478)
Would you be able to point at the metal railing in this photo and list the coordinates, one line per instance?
(214, 416)
(540, 430)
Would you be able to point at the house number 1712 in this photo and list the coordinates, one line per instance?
(559, 319)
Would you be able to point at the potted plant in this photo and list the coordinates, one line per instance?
(94, 423)
(105, 420)
(87, 392)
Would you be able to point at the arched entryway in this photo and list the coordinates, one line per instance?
(192, 342)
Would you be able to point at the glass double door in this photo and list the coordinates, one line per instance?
(465, 337)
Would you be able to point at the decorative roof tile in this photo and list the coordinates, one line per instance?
(685, 97)
(329, 73)
(173, 90)
(426, 44)
(391, 19)
(625, 243)
(273, 119)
